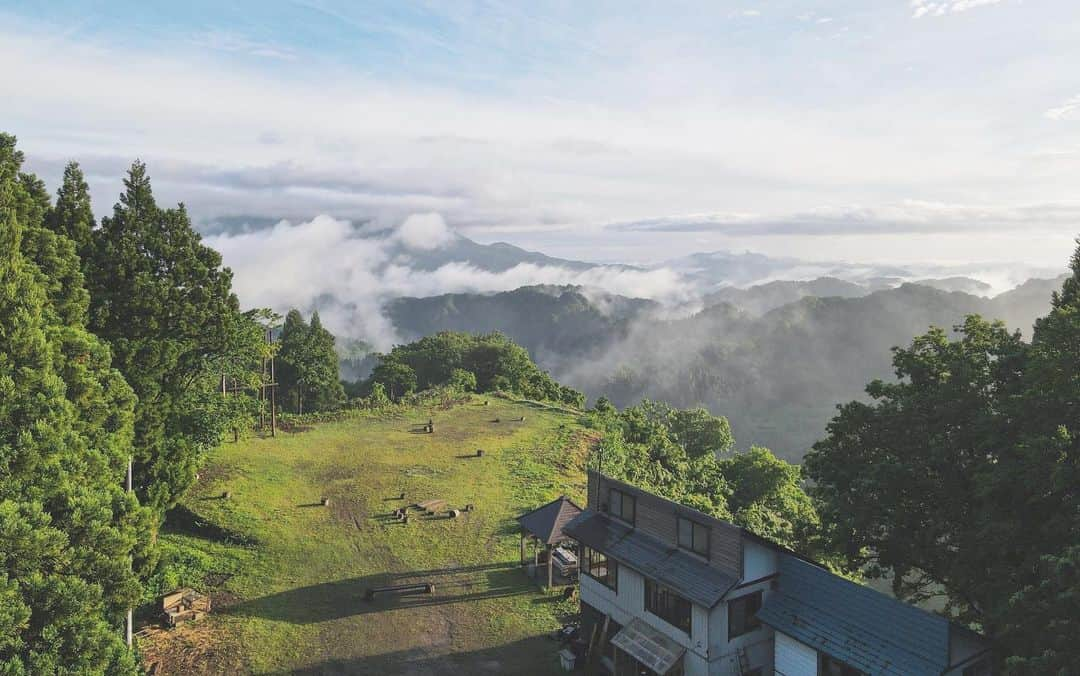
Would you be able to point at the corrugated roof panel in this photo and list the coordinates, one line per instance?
(855, 624)
(693, 578)
(648, 646)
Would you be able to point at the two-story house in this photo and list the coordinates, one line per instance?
(668, 590)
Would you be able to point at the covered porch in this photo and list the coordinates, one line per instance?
(542, 530)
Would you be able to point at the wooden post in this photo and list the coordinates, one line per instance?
(549, 550)
(273, 392)
(522, 546)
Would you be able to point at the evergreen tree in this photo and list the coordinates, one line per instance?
(164, 304)
(69, 530)
(73, 216)
(309, 374)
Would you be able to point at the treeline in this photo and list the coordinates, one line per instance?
(115, 342)
(470, 363)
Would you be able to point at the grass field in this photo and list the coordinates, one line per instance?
(288, 575)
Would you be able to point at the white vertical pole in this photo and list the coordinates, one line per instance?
(130, 622)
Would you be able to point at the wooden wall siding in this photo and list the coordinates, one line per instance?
(657, 517)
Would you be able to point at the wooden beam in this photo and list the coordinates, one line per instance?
(549, 566)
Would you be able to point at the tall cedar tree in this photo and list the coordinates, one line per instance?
(964, 476)
(164, 303)
(309, 368)
(69, 530)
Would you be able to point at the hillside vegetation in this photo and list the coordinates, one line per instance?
(288, 575)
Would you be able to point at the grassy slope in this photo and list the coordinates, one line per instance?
(300, 577)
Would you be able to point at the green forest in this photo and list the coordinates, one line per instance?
(123, 344)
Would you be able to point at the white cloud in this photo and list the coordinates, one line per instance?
(424, 231)
(351, 272)
(921, 8)
(1066, 111)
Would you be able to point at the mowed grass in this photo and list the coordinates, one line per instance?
(295, 600)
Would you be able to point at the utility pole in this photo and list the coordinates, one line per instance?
(130, 622)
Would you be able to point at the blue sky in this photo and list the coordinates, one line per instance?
(885, 130)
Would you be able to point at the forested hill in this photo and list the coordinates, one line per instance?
(778, 377)
(775, 373)
(551, 322)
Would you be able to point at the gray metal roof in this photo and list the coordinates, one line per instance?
(864, 628)
(547, 522)
(688, 575)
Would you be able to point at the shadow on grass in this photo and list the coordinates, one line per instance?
(535, 654)
(183, 521)
(345, 598)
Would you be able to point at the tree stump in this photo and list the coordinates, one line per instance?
(469, 507)
(522, 418)
(454, 513)
(226, 495)
(326, 502)
(479, 452)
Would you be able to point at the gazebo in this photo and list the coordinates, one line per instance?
(544, 525)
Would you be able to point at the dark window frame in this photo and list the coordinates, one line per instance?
(749, 622)
(696, 527)
(839, 667)
(593, 557)
(622, 498)
(667, 604)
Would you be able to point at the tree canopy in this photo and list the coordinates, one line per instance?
(309, 367)
(961, 478)
(688, 456)
(164, 303)
(493, 360)
(71, 533)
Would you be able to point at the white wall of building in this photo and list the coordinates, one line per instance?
(629, 603)
(794, 658)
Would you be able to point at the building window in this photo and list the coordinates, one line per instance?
(668, 606)
(621, 505)
(602, 569)
(693, 536)
(830, 666)
(742, 614)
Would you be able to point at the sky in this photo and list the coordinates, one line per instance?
(892, 131)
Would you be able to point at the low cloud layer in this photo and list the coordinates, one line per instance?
(350, 271)
(909, 217)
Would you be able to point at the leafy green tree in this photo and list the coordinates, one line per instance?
(646, 445)
(960, 479)
(397, 378)
(462, 380)
(1041, 625)
(767, 497)
(496, 363)
(165, 305)
(70, 532)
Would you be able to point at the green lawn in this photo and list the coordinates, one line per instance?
(289, 575)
